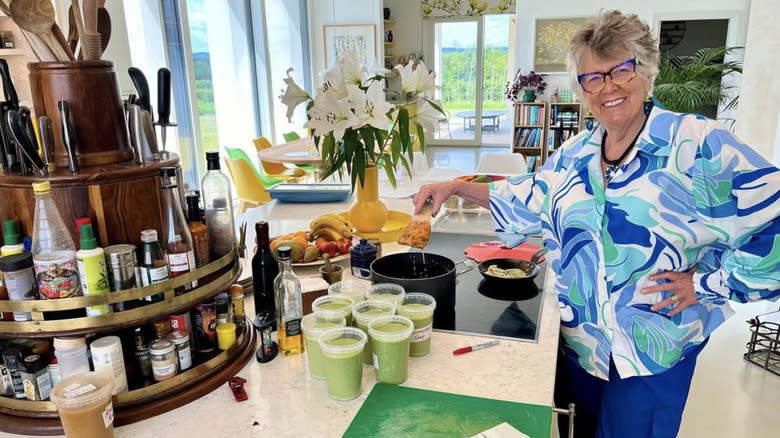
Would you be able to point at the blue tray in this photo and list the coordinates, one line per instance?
(310, 192)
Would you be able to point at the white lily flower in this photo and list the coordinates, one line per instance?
(351, 71)
(334, 82)
(427, 116)
(293, 95)
(416, 81)
(330, 114)
(370, 106)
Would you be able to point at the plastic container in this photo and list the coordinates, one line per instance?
(419, 308)
(93, 274)
(364, 313)
(389, 338)
(107, 358)
(72, 356)
(314, 325)
(19, 279)
(342, 349)
(353, 288)
(84, 405)
(393, 293)
(226, 335)
(361, 256)
(341, 303)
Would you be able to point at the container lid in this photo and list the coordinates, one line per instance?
(391, 328)
(32, 363)
(69, 343)
(149, 236)
(336, 341)
(316, 323)
(161, 347)
(41, 187)
(236, 290)
(16, 262)
(168, 172)
(81, 390)
(82, 221)
(284, 252)
(178, 338)
(27, 241)
(11, 234)
(106, 342)
(121, 253)
(365, 311)
(226, 327)
(363, 249)
(88, 240)
(212, 160)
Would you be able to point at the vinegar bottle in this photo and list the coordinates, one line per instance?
(175, 234)
(218, 204)
(289, 306)
(153, 267)
(265, 268)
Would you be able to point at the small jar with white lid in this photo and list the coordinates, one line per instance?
(72, 356)
(181, 341)
(163, 360)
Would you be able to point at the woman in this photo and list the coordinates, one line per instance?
(652, 221)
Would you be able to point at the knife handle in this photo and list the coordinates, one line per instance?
(142, 87)
(8, 86)
(47, 142)
(68, 136)
(163, 96)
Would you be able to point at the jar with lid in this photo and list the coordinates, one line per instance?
(107, 357)
(19, 280)
(361, 256)
(35, 378)
(163, 361)
(223, 309)
(183, 351)
(237, 303)
(161, 328)
(72, 355)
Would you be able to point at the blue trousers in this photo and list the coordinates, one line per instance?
(635, 407)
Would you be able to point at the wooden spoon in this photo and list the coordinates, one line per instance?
(104, 28)
(37, 16)
(73, 32)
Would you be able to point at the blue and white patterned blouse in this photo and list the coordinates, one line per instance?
(688, 194)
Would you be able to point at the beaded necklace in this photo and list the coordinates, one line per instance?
(613, 165)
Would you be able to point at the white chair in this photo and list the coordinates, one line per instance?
(502, 163)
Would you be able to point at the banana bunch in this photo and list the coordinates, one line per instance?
(330, 226)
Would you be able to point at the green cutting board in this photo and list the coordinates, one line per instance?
(396, 411)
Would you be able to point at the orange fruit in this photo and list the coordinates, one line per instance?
(300, 240)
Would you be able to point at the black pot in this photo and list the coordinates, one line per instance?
(428, 273)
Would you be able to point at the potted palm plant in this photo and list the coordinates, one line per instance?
(357, 131)
(694, 84)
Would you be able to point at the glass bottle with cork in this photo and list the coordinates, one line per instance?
(218, 206)
(289, 306)
(54, 253)
(176, 235)
(199, 231)
(153, 268)
(265, 268)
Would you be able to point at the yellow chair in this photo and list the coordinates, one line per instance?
(250, 190)
(276, 170)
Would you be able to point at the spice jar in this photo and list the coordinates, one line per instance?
(163, 361)
(237, 302)
(161, 328)
(19, 280)
(183, 355)
(35, 378)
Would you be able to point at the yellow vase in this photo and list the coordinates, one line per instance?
(368, 214)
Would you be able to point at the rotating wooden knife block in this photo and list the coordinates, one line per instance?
(97, 113)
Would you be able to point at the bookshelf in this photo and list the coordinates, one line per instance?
(565, 121)
(529, 133)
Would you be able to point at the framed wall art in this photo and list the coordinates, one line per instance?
(358, 40)
(552, 42)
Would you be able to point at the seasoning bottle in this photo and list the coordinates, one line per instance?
(199, 231)
(54, 253)
(12, 357)
(289, 305)
(122, 265)
(163, 362)
(162, 327)
(54, 370)
(361, 256)
(237, 303)
(153, 267)
(175, 234)
(12, 240)
(142, 356)
(183, 355)
(93, 274)
(19, 280)
(35, 378)
(205, 327)
(222, 310)
(107, 357)
(218, 206)
(265, 268)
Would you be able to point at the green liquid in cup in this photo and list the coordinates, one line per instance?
(363, 325)
(420, 320)
(393, 298)
(313, 352)
(392, 357)
(344, 372)
(345, 305)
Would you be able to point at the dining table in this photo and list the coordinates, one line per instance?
(300, 151)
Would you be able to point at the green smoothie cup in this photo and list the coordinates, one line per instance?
(363, 313)
(386, 292)
(389, 338)
(353, 288)
(313, 325)
(340, 303)
(419, 308)
(341, 351)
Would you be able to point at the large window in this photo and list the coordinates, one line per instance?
(472, 57)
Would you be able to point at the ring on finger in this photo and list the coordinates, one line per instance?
(676, 298)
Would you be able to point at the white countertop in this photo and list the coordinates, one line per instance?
(284, 401)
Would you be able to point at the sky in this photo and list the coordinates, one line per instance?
(196, 13)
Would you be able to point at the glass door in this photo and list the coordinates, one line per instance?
(496, 109)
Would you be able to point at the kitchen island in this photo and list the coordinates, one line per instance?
(284, 401)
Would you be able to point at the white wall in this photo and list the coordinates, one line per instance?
(759, 101)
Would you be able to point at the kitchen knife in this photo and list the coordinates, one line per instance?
(163, 102)
(142, 87)
(23, 143)
(141, 147)
(7, 145)
(68, 136)
(25, 121)
(47, 142)
(151, 138)
(8, 86)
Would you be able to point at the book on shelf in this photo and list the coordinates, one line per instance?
(528, 137)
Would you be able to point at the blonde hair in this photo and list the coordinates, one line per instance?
(608, 34)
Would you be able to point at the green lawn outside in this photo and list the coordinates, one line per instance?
(208, 132)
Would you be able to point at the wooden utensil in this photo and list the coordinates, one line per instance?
(73, 32)
(418, 232)
(104, 28)
(37, 16)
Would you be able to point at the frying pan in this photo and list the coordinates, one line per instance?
(531, 269)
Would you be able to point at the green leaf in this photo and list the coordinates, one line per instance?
(403, 126)
(407, 166)
(421, 136)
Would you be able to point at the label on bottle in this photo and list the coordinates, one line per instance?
(150, 276)
(54, 373)
(144, 360)
(110, 362)
(94, 281)
(185, 358)
(182, 263)
(292, 327)
(57, 277)
(19, 288)
(200, 246)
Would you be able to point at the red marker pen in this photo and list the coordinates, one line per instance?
(475, 347)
